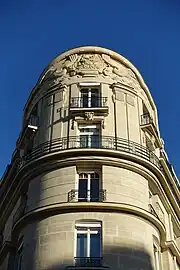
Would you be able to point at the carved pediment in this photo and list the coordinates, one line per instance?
(100, 65)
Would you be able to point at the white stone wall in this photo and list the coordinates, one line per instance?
(127, 241)
(52, 187)
(125, 186)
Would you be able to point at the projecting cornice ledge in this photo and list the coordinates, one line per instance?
(174, 249)
(70, 207)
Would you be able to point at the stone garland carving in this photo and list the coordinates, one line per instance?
(89, 64)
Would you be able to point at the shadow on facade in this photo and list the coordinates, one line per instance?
(122, 258)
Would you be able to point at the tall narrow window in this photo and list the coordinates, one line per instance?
(156, 257)
(89, 97)
(29, 145)
(145, 117)
(33, 119)
(18, 258)
(88, 244)
(88, 187)
(89, 136)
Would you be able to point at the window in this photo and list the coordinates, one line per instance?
(88, 244)
(145, 110)
(18, 258)
(29, 142)
(156, 257)
(89, 97)
(88, 187)
(145, 117)
(89, 136)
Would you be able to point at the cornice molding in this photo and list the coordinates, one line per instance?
(69, 207)
(106, 157)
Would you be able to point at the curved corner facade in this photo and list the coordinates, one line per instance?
(90, 185)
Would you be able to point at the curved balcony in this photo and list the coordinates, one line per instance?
(88, 102)
(148, 123)
(88, 261)
(98, 105)
(90, 142)
(75, 196)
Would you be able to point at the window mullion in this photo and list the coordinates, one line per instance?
(89, 97)
(89, 187)
(88, 243)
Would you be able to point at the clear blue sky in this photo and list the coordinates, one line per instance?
(32, 33)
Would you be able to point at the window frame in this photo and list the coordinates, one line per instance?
(95, 131)
(89, 179)
(156, 256)
(19, 255)
(89, 87)
(87, 224)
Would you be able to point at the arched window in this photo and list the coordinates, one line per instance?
(88, 243)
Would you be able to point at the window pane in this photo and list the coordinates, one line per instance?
(82, 191)
(94, 175)
(94, 91)
(95, 101)
(84, 141)
(83, 176)
(95, 141)
(81, 245)
(84, 92)
(94, 98)
(94, 190)
(84, 102)
(95, 245)
(84, 98)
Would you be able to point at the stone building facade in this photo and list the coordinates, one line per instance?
(90, 185)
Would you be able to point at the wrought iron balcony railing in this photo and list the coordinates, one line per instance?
(88, 261)
(146, 119)
(75, 196)
(92, 142)
(88, 102)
